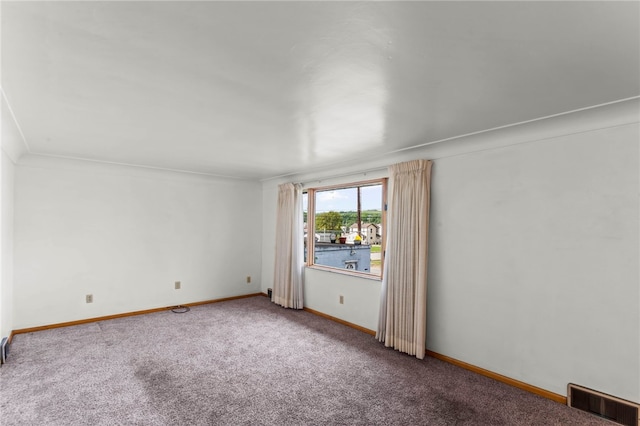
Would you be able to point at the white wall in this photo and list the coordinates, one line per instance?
(12, 148)
(535, 261)
(125, 234)
(6, 235)
(534, 251)
(323, 290)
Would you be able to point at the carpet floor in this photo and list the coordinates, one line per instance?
(245, 362)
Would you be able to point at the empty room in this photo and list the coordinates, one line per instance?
(305, 212)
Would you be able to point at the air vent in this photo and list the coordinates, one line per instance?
(603, 405)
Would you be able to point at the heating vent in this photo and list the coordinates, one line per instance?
(603, 405)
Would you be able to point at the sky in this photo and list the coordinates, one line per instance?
(346, 199)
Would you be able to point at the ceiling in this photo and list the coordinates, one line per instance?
(255, 90)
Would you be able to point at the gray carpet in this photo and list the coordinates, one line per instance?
(247, 361)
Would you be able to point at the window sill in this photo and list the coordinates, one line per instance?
(345, 272)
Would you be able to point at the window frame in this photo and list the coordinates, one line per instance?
(311, 217)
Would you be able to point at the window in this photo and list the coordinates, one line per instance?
(344, 227)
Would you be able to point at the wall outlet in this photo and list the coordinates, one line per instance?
(178, 285)
(341, 299)
(89, 298)
(248, 279)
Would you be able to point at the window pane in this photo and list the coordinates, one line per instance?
(330, 206)
(305, 208)
(336, 215)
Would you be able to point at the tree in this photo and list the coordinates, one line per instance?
(329, 221)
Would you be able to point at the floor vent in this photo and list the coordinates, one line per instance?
(609, 407)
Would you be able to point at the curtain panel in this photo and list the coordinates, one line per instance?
(289, 253)
(402, 321)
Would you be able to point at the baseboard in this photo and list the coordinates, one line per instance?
(499, 377)
(224, 299)
(338, 320)
(122, 315)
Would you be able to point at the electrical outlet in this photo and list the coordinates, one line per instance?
(89, 298)
(248, 279)
(178, 285)
(341, 299)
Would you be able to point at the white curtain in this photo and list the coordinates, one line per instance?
(402, 323)
(287, 280)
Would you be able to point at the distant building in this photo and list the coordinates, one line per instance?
(343, 256)
(370, 233)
